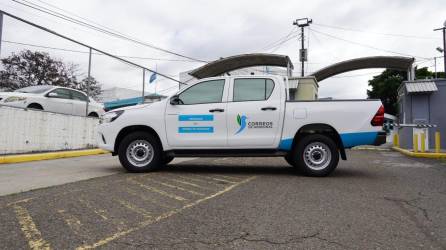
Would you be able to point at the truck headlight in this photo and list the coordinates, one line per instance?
(110, 116)
(14, 99)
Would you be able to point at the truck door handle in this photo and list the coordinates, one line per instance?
(268, 108)
(216, 110)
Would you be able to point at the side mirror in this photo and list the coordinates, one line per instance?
(53, 94)
(175, 100)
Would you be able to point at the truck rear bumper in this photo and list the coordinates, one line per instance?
(380, 138)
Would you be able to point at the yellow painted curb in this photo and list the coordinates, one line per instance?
(419, 154)
(50, 155)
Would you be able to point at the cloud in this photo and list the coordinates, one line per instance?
(212, 29)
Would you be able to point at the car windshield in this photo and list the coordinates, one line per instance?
(34, 89)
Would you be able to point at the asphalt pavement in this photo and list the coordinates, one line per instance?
(375, 200)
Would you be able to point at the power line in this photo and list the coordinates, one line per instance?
(85, 45)
(85, 52)
(370, 32)
(107, 31)
(366, 45)
(276, 47)
(270, 45)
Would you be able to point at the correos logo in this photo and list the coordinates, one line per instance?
(241, 121)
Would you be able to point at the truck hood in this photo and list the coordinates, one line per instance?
(139, 106)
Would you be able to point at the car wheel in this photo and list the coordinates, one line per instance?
(168, 159)
(315, 155)
(140, 152)
(93, 114)
(35, 106)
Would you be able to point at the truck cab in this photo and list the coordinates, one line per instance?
(240, 116)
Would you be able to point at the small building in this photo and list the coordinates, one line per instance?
(421, 105)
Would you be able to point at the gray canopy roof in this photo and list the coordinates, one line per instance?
(227, 64)
(389, 62)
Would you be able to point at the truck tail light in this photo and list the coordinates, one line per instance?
(378, 119)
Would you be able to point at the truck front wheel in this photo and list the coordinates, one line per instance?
(315, 155)
(140, 152)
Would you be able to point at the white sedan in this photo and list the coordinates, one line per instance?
(53, 99)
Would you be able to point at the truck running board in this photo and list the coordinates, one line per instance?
(226, 153)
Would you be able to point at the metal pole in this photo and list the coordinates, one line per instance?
(143, 85)
(88, 82)
(302, 42)
(444, 49)
(1, 31)
(435, 63)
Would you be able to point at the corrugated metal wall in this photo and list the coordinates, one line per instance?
(24, 131)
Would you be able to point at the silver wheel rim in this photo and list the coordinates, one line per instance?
(140, 153)
(317, 155)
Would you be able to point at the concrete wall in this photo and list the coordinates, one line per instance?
(25, 131)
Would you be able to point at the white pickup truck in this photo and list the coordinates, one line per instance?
(241, 116)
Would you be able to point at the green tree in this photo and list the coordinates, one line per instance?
(385, 86)
(31, 68)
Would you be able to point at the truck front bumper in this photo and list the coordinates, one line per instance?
(380, 138)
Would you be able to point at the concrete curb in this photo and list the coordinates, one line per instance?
(47, 156)
(419, 154)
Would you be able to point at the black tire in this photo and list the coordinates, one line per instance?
(140, 142)
(35, 106)
(167, 159)
(313, 149)
(93, 114)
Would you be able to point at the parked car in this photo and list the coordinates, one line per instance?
(241, 116)
(53, 99)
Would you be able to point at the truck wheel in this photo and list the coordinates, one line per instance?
(316, 155)
(140, 152)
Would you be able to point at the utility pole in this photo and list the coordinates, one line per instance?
(444, 43)
(1, 30)
(303, 53)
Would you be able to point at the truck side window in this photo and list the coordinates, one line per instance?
(204, 92)
(255, 89)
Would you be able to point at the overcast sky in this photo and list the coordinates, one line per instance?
(208, 30)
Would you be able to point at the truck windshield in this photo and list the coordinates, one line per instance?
(34, 89)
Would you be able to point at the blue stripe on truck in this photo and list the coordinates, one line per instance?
(355, 139)
(286, 144)
(348, 139)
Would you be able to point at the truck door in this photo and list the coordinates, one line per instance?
(200, 118)
(253, 117)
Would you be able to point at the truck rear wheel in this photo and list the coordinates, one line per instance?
(315, 155)
(140, 152)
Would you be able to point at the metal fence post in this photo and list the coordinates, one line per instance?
(88, 82)
(1, 31)
(437, 142)
(415, 143)
(423, 142)
(143, 85)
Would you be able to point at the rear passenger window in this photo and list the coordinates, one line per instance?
(78, 96)
(255, 89)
